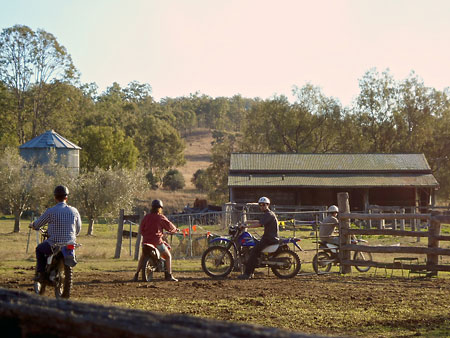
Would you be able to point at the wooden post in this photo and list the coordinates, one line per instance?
(434, 230)
(344, 225)
(119, 234)
(402, 222)
(139, 237)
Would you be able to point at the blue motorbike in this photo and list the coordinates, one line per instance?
(226, 254)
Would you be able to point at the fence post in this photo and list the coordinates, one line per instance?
(139, 237)
(433, 242)
(119, 234)
(402, 222)
(344, 224)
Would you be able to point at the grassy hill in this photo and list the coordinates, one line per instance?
(198, 156)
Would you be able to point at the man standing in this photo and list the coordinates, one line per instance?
(64, 224)
(270, 223)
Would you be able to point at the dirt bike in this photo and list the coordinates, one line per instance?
(226, 254)
(329, 256)
(153, 261)
(59, 268)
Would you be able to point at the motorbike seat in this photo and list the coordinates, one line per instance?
(271, 248)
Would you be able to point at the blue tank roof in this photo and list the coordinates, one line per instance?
(49, 139)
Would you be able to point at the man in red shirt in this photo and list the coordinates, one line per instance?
(152, 231)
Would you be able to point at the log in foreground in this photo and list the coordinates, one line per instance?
(27, 315)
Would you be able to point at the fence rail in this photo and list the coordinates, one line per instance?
(433, 251)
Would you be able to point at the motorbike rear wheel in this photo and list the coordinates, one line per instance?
(63, 279)
(362, 256)
(291, 264)
(150, 266)
(217, 262)
(322, 262)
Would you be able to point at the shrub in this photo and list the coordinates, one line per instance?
(200, 180)
(173, 180)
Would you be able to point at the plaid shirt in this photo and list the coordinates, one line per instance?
(64, 223)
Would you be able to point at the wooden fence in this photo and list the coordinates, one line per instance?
(432, 251)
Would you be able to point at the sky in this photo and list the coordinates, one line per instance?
(255, 48)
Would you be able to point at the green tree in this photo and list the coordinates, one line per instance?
(200, 180)
(173, 180)
(159, 144)
(104, 192)
(22, 185)
(375, 105)
(28, 62)
(105, 148)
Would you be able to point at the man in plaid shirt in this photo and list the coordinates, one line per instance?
(64, 224)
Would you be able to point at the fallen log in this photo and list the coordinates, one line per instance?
(27, 315)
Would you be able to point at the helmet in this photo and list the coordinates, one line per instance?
(61, 191)
(333, 208)
(157, 204)
(264, 200)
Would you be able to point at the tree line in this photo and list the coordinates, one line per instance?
(125, 129)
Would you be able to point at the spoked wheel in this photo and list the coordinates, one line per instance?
(217, 262)
(149, 267)
(362, 256)
(289, 264)
(322, 262)
(63, 280)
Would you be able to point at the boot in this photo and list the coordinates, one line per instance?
(136, 277)
(169, 277)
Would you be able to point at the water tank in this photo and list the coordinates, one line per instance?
(41, 148)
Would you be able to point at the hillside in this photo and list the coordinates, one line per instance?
(197, 154)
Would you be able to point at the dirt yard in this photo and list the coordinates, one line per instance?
(357, 305)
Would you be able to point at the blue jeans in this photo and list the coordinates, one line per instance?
(43, 250)
(256, 252)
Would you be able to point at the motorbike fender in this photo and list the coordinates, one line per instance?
(220, 239)
(151, 250)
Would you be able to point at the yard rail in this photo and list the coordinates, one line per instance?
(432, 251)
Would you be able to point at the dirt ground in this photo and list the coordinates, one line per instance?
(407, 306)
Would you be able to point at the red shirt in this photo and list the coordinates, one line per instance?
(152, 227)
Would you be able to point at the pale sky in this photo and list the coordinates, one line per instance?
(255, 48)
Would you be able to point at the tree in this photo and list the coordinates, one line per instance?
(105, 147)
(28, 62)
(200, 180)
(159, 144)
(104, 192)
(173, 180)
(22, 185)
(374, 108)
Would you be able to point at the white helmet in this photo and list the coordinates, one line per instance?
(333, 208)
(264, 200)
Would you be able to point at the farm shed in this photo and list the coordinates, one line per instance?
(40, 149)
(315, 179)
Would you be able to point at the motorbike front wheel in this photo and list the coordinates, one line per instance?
(362, 256)
(322, 262)
(217, 262)
(149, 267)
(289, 264)
(63, 280)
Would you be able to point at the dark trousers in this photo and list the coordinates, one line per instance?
(43, 250)
(255, 253)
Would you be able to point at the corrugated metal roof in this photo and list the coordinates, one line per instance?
(49, 139)
(327, 162)
(333, 180)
